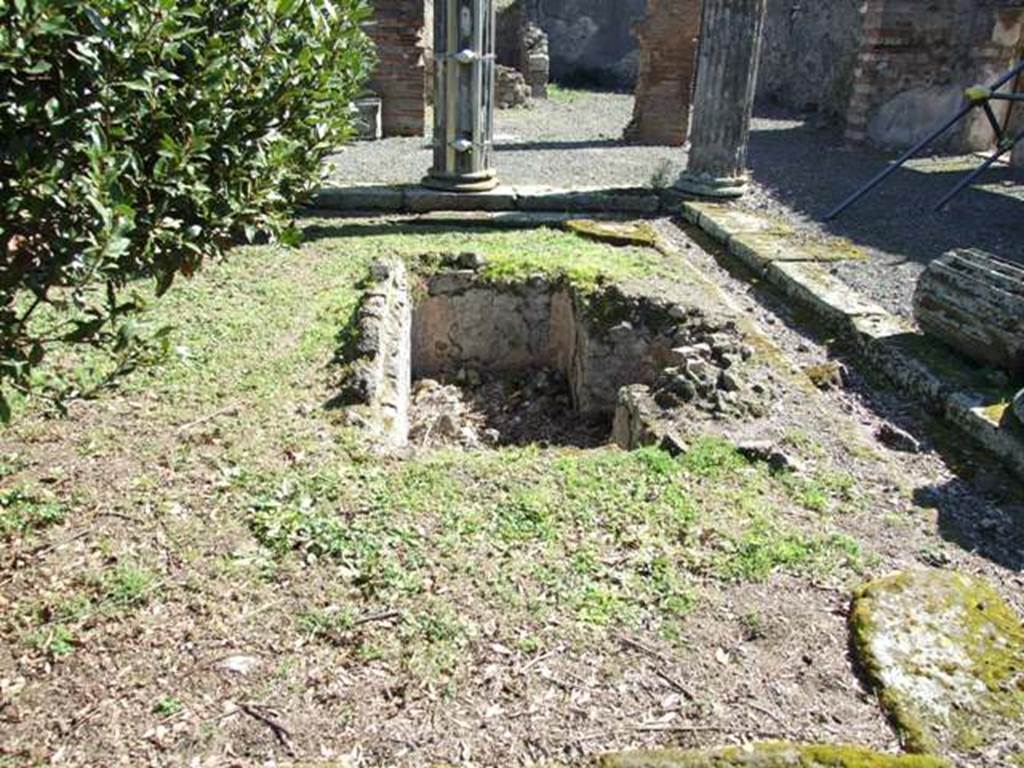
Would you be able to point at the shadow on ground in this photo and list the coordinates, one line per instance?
(526, 146)
(898, 217)
(993, 529)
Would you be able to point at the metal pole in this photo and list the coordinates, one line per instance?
(897, 165)
(464, 96)
(1004, 147)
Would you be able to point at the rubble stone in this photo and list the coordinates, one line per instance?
(510, 88)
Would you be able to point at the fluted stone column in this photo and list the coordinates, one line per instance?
(463, 96)
(730, 46)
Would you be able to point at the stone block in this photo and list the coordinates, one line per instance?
(371, 198)
(636, 200)
(943, 649)
(422, 200)
(826, 296)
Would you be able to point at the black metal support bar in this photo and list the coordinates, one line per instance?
(1004, 147)
(977, 97)
(869, 186)
(993, 121)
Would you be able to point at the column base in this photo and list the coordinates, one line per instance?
(727, 188)
(483, 181)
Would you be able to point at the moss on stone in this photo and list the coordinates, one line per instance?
(615, 233)
(771, 755)
(946, 655)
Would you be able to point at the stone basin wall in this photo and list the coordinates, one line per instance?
(461, 322)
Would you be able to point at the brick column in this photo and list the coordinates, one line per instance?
(399, 32)
(668, 47)
(730, 47)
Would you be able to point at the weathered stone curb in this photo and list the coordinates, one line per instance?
(380, 377)
(945, 385)
(416, 199)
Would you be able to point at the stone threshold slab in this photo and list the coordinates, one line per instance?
(535, 199)
(946, 385)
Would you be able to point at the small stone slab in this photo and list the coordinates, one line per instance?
(946, 655)
(630, 200)
(492, 219)
(988, 424)
(369, 198)
(770, 755)
(422, 199)
(613, 232)
(827, 296)
(759, 249)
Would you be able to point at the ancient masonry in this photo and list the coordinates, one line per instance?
(402, 31)
(379, 379)
(913, 66)
(523, 46)
(632, 356)
(510, 88)
(668, 51)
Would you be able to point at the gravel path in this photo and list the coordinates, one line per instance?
(803, 172)
(800, 171)
(570, 140)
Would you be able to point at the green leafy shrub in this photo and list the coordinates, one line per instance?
(138, 139)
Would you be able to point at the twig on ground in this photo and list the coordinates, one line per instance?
(636, 645)
(208, 417)
(538, 659)
(676, 684)
(769, 713)
(281, 733)
(378, 616)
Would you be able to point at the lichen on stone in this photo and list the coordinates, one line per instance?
(615, 233)
(946, 655)
(771, 755)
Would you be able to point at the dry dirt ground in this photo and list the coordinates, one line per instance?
(204, 567)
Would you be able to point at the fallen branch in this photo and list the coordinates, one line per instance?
(209, 417)
(379, 616)
(281, 733)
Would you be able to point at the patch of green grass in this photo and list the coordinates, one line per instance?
(330, 624)
(825, 491)
(127, 586)
(22, 512)
(56, 624)
(53, 640)
(168, 706)
(514, 255)
(562, 95)
(596, 539)
(712, 458)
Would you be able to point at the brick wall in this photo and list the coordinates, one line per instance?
(403, 32)
(916, 58)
